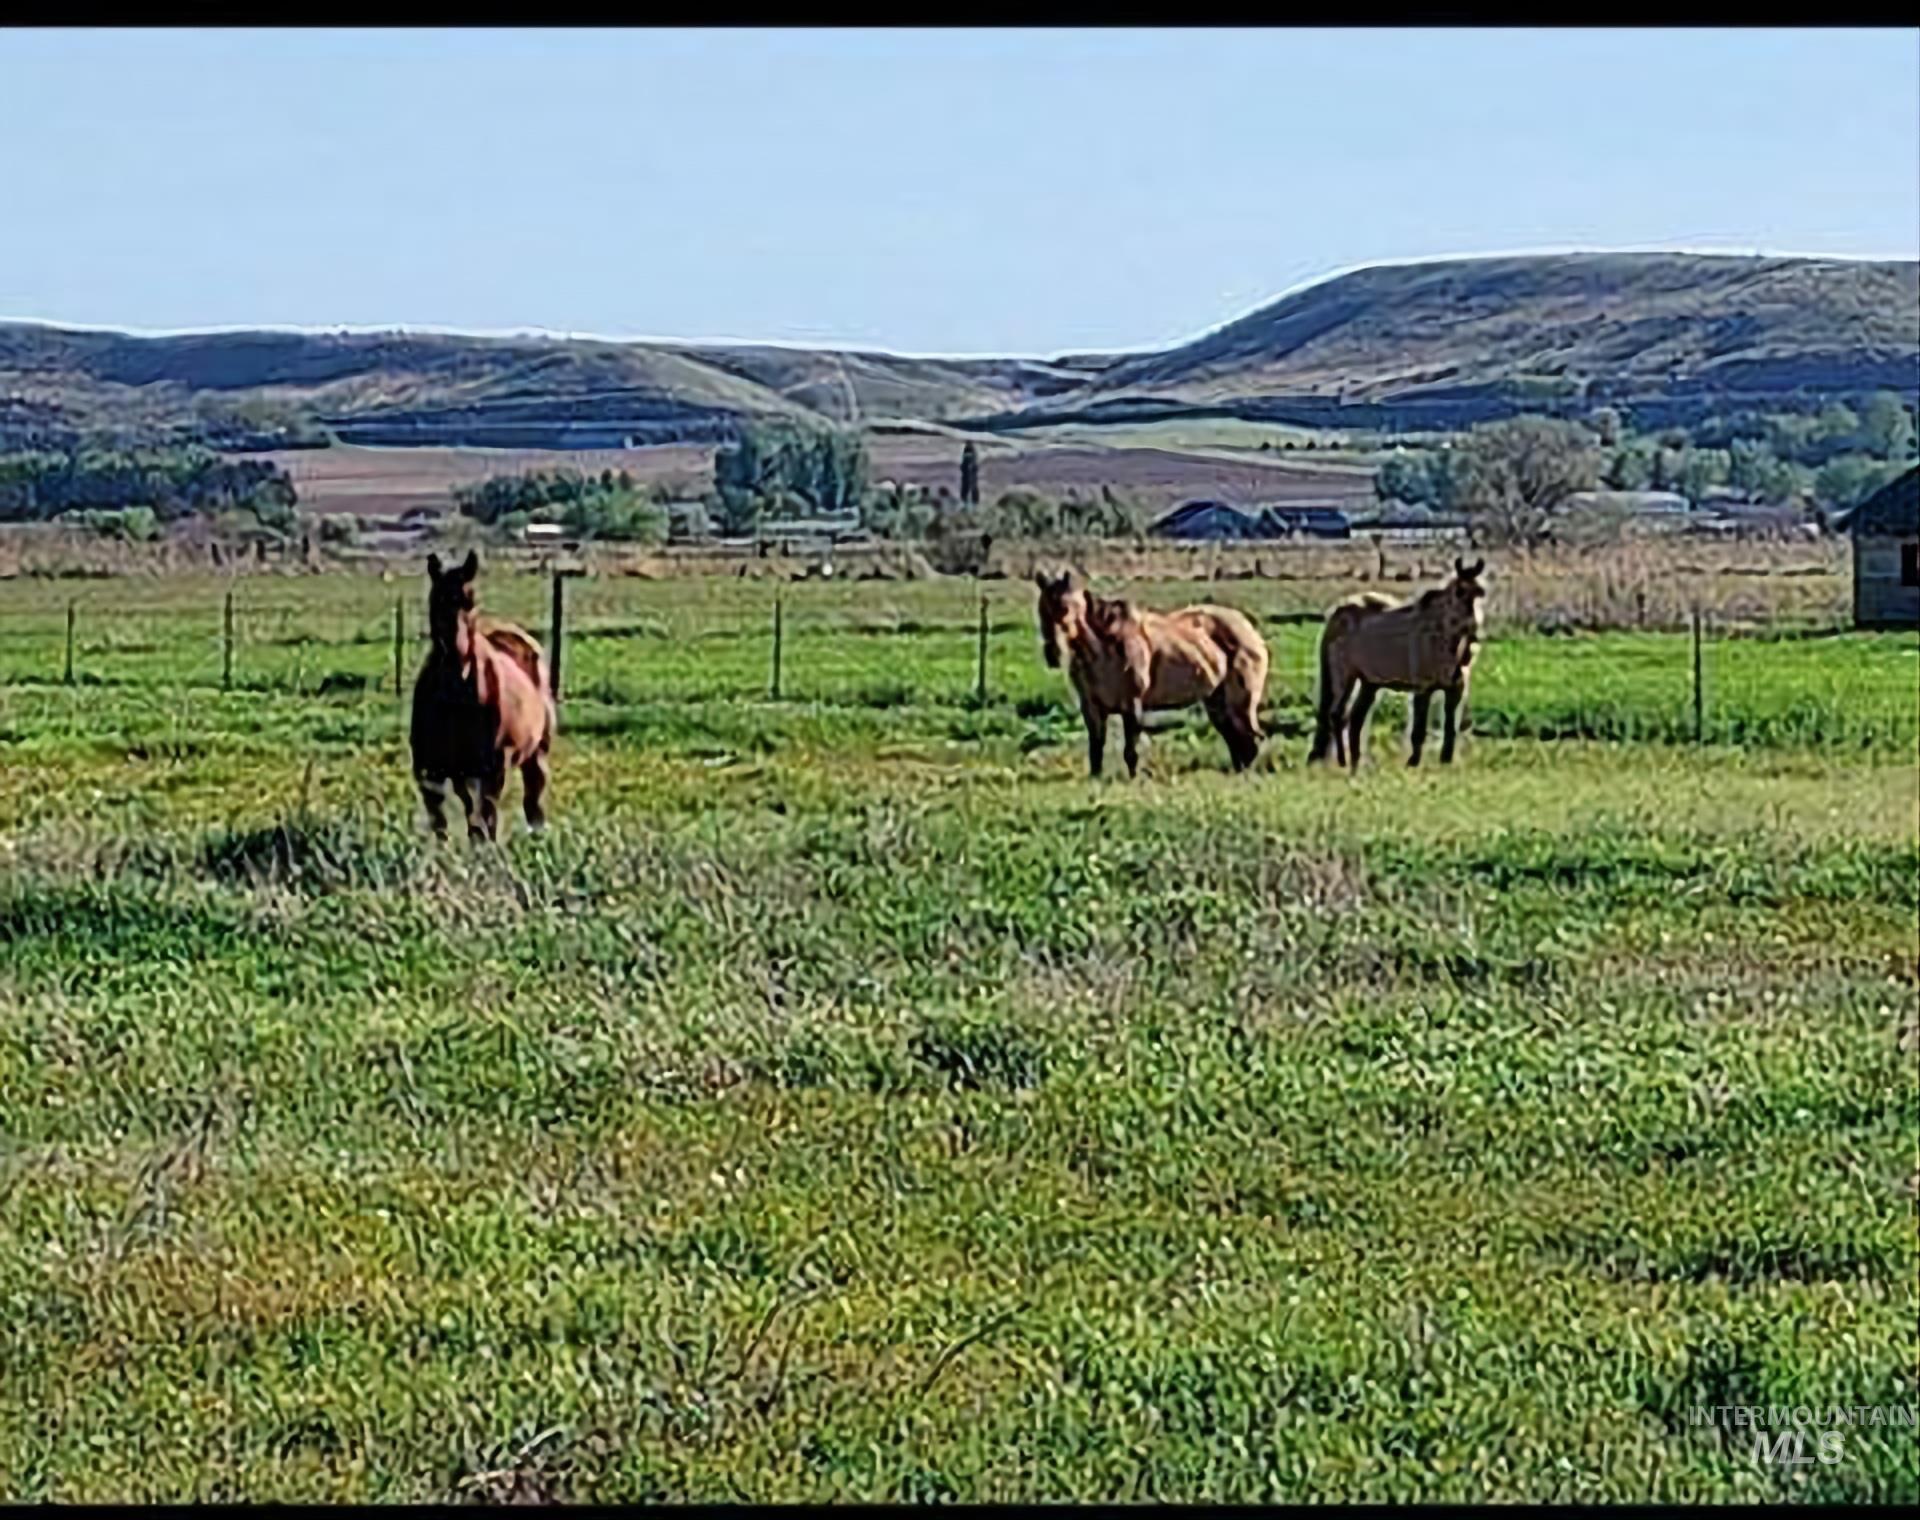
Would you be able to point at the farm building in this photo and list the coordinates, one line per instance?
(1215, 521)
(1885, 529)
(1203, 521)
(1653, 506)
(1404, 525)
(1304, 521)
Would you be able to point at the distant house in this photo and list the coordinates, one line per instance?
(1401, 524)
(1206, 522)
(1216, 522)
(1632, 503)
(1885, 529)
(1304, 521)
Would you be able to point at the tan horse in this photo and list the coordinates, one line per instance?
(1130, 661)
(483, 702)
(1422, 646)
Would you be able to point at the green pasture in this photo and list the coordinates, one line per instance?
(846, 1099)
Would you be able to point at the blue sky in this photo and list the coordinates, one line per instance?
(923, 191)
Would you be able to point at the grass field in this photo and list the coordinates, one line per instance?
(846, 1099)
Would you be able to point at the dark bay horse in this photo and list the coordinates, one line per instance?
(1129, 660)
(483, 702)
(1371, 642)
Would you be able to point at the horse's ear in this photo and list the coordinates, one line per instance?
(434, 570)
(470, 566)
(1042, 580)
(1459, 566)
(1473, 571)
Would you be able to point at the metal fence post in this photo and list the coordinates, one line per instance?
(399, 645)
(1699, 695)
(777, 640)
(557, 632)
(980, 687)
(226, 641)
(68, 677)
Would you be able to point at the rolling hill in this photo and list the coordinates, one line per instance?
(1392, 345)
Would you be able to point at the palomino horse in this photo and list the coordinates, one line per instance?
(483, 702)
(1422, 646)
(1127, 660)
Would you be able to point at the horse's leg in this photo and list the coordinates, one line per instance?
(1096, 738)
(1225, 725)
(433, 793)
(492, 784)
(463, 789)
(1237, 728)
(1449, 718)
(1245, 746)
(1421, 701)
(1336, 718)
(1357, 721)
(533, 786)
(1130, 725)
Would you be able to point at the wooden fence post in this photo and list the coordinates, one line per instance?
(68, 678)
(399, 645)
(226, 641)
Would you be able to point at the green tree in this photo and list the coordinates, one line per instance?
(1839, 427)
(1751, 467)
(1515, 479)
(1606, 423)
(616, 515)
(825, 469)
(1023, 514)
(1886, 427)
(969, 476)
(1843, 483)
(1405, 477)
(898, 513)
(1700, 471)
(1631, 467)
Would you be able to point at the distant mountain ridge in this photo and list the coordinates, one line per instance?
(1436, 343)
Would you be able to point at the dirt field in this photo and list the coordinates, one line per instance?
(372, 482)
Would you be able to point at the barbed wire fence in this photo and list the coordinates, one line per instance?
(952, 643)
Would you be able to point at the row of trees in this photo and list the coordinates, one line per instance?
(499, 496)
(609, 505)
(911, 515)
(169, 483)
(785, 470)
(1513, 479)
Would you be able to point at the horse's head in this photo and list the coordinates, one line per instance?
(1467, 593)
(1063, 612)
(450, 598)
